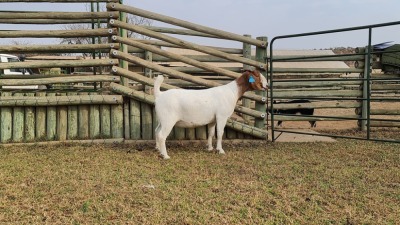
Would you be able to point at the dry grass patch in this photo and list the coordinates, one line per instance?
(347, 182)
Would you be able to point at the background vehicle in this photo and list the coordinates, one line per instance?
(4, 58)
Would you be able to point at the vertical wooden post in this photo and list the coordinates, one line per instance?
(135, 119)
(72, 120)
(190, 134)
(62, 121)
(147, 119)
(83, 120)
(29, 121)
(105, 121)
(6, 122)
(246, 54)
(94, 120)
(178, 133)
(148, 72)
(40, 120)
(125, 81)
(18, 122)
(261, 56)
(146, 109)
(117, 121)
(201, 133)
(51, 125)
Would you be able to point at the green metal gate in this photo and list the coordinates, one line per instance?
(370, 91)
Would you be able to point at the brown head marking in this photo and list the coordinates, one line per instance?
(249, 81)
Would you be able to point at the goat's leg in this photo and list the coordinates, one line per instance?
(220, 132)
(211, 133)
(161, 137)
(157, 130)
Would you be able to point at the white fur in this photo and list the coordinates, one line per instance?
(193, 108)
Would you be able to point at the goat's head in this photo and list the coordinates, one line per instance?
(256, 80)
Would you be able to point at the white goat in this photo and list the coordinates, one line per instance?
(193, 108)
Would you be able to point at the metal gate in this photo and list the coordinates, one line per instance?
(380, 90)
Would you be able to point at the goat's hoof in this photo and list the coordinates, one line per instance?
(210, 149)
(220, 151)
(164, 156)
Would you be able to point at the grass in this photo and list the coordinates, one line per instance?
(346, 182)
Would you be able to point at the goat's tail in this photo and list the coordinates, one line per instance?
(157, 84)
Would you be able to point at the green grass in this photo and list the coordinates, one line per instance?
(347, 182)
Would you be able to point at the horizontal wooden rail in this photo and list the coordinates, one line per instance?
(188, 25)
(311, 58)
(139, 78)
(144, 80)
(60, 100)
(60, 1)
(385, 87)
(237, 51)
(317, 70)
(318, 105)
(187, 44)
(200, 58)
(177, 57)
(305, 84)
(126, 91)
(174, 73)
(60, 15)
(51, 21)
(150, 100)
(185, 69)
(253, 131)
(60, 63)
(186, 84)
(178, 31)
(385, 112)
(102, 32)
(327, 93)
(59, 48)
(304, 118)
(58, 80)
(384, 124)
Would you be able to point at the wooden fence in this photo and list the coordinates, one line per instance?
(110, 100)
(110, 97)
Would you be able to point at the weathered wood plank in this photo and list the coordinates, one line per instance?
(51, 125)
(134, 119)
(83, 120)
(18, 122)
(105, 121)
(102, 32)
(62, 122)
(29, 121)
(182, 23)
(6, 122)
(117, 121)
(94, 120)
(147, 121)
(59, 100)
(72, 119)
(40, 119)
